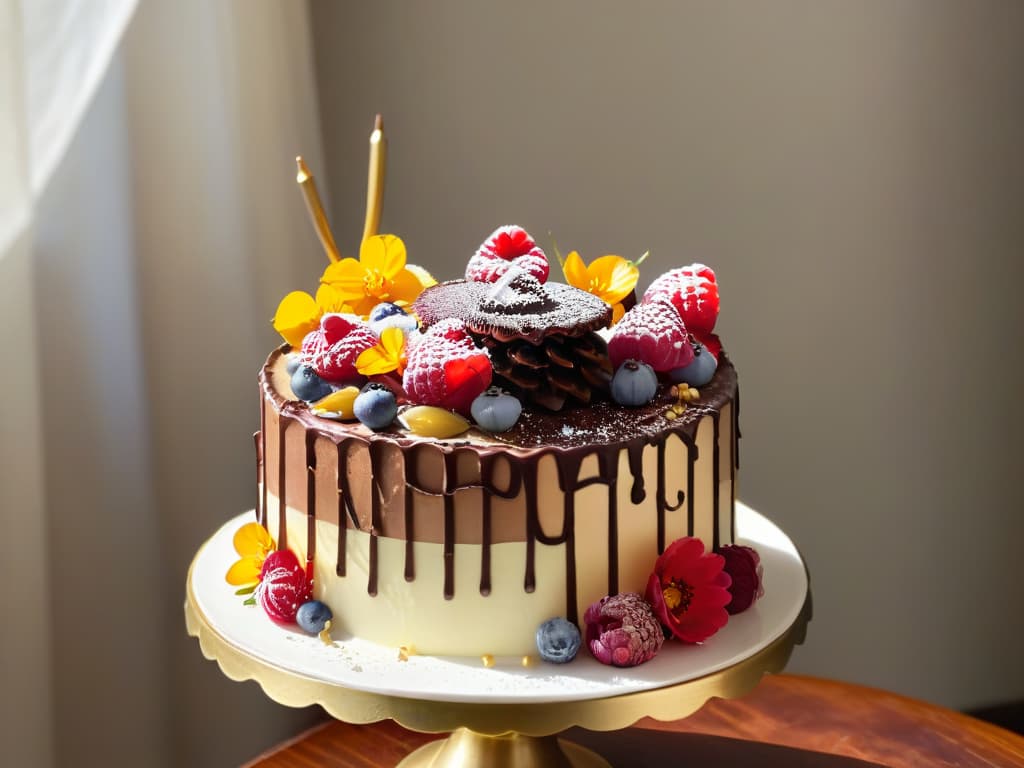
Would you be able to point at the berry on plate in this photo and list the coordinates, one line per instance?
(313, 616)
(558, 640)
(283, 586)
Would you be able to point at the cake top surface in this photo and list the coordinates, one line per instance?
(504, 355)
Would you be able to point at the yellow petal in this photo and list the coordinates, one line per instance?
(245, 571)
(348, 278)
(383, 253)
(431, 421)
(253, 539)
(297, 315)
(329, 300)
(405, 287)
(426, 279)
(339, 403)
(385, 356)
(616, 276)
(575, 272)
(618, 310)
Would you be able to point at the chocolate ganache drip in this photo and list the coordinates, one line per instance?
(381, 480)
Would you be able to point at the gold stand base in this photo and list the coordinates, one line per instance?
(467, 749)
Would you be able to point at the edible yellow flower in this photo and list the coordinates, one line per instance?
(379, 275)
(610, 278)
(297, 314)
(253, 542)
(387, 355)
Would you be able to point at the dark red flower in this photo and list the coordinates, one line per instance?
(689, 590)
(743, 565)
(284, 586)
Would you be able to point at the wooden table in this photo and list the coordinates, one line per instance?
(797, 722)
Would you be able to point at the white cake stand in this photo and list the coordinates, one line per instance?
(503, 715)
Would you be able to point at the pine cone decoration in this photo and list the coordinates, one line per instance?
(559, 370)
(540, 336)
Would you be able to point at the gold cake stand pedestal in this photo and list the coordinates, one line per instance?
(497, 732)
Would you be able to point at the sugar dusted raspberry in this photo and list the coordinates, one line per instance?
(446, 368)
(283, 587)
(693, 291)
(508, 246)
(652, 333)
(333, 348)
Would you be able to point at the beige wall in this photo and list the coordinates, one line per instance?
(854, 173)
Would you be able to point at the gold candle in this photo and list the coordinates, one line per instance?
(375, 178)
(316, 209)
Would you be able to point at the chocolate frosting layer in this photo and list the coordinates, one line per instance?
(394, 484)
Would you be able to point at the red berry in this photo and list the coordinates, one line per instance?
(333, 348)
(506, 247)
(652, 333)
(446, 368)
(284, 586)
(712, 344)
(693, 291)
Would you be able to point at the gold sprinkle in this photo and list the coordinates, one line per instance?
(674, 391)
(405, 651)
(325, 634)
(487, 660)
(527, 661)
(678, 409)
(670, 415)
(694, 394)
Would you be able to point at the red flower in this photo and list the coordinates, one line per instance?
(284, 586)
(689, 590)
(743, 565)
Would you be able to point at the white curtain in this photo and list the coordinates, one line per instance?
(149, 221)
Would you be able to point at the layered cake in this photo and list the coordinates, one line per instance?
(438, 530)
(528, 459)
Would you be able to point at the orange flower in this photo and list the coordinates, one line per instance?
(610, 278)
(379, 275)
(297, 314)
(388, 355)
(253, 542)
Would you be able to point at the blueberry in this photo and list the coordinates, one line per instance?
(699, 371)
(495, 410)
(388, 315)
(292, 363)
(308, 386)
(634, 384)
(312, 616)
(558, 640)
(375, 406)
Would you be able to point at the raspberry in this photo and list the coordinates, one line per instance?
(507, 247)
(283, 586)
(652, 333)
(332, 349)
(693, 291)
(446, 368)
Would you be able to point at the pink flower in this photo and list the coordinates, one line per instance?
(689, 590)
(622, 631)
(743, 565)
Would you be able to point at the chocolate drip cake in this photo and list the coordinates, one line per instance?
(502, 465)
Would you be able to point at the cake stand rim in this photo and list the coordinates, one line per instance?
(533, 718)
